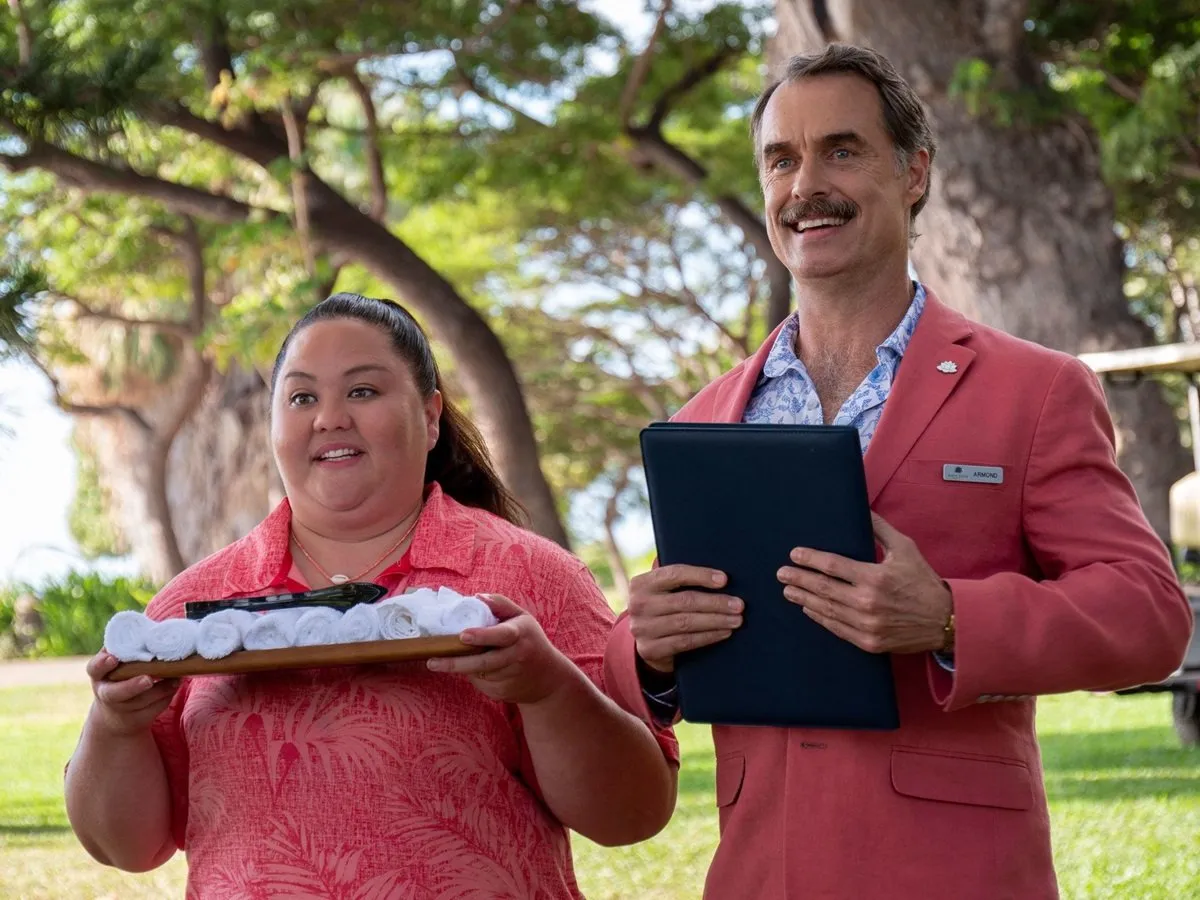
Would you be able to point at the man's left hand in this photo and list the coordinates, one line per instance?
(897, 605)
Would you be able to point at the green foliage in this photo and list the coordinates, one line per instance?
(90, 516)
(597, 561)
(502, 147)
(76, 608)
(19, 286)
(7, 599)
(976, 84)
(1133, 69)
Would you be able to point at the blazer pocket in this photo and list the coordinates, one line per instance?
(731, 770)
(952, 778)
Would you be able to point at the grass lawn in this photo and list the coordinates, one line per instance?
(1125, 800)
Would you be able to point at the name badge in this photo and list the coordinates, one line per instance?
(973, 474)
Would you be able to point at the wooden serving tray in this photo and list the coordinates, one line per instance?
(241, 662)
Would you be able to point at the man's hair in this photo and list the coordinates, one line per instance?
(904, 115)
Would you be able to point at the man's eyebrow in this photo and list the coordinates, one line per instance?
(775, 148)
(843, 137)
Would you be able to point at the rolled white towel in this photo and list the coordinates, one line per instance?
(125, 636)
(222, 632)
(359, 623)
(273, 630)
(419, 597)
(172, 639)
(317, 626)
(464, 613)
(397, 619)
(425, 607)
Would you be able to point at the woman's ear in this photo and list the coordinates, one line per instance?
(433, 419)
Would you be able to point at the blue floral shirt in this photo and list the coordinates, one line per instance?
(786, 395)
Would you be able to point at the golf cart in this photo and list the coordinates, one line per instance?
(1123, 366)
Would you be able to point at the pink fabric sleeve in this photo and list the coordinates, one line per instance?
(580, 630)
(1109, 613)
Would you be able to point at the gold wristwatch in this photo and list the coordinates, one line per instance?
(948, 634)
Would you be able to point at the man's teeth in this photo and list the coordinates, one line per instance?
(338, 454)
(818, 223)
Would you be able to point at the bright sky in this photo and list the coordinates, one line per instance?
(37, 481)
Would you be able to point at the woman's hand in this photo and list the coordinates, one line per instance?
(126, 707)
(521, 666)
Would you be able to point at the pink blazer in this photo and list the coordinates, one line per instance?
(1059, 585)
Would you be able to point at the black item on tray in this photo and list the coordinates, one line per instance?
(338, 596)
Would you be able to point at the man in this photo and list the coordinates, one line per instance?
(1030, 571)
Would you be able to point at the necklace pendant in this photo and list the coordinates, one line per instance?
(339, 579)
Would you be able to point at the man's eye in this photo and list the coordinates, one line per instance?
(300, 399)
(782, 163)
(842, 153)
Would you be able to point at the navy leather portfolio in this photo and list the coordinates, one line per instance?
(738, 498)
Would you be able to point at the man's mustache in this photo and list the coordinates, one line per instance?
(817, 209)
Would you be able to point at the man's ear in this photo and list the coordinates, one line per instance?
(916, 174)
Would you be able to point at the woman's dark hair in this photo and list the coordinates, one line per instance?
(459, 461)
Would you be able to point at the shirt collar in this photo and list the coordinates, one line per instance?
(783, 352)
(444, 539)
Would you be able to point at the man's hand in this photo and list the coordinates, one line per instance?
(899, 605)
(666, 620)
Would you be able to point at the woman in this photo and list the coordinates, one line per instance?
(454, 778)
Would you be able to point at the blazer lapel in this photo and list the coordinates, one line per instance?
(933, 366)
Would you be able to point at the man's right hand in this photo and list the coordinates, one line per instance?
(126, 707)
(666, 619)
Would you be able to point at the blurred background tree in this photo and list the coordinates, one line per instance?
(567, 201)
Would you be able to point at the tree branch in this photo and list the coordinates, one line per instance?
(469, 82)
(87, 311)
(188, 396)
(299, 179)
(379, 198)
(1122, 89)
(193, 260)
(214, 49)
(641, 67)
(257, 141)
(670, 158)
(24, 33)
(692, 302)
(87, 409)
(690, 79)
(340, 63)
(1186, 170)
(88, 175)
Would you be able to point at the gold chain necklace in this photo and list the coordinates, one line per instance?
(338, 578)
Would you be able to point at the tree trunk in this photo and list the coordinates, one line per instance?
(1018, 232)
(160, 537)
(487, 375)
(182, 495)
(616, 561)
